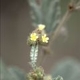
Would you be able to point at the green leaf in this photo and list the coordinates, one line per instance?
(36, 14)
(51, 13)
(68, 69)
(11, 73)
(47, 12)
(58, 78)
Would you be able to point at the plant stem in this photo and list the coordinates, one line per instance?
(54, 34)
(42, 59)
(62, 22)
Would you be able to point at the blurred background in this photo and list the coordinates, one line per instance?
(16, 24)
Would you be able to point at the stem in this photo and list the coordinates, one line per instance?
(42, 59)
(53, 35)
(33, 56)
(63, 21)
(47, 49)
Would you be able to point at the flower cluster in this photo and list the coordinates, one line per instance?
(38, 74)
(38, 36)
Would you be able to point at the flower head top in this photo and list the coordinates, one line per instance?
(41, 27)
(33, 37)
(38, 36)
(45, 39)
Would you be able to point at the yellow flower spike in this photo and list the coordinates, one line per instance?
(41, 27)
(45, 39)
(33, 37)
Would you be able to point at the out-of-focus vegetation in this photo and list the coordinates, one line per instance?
(69, 69)
(11, 73)
(46, 12)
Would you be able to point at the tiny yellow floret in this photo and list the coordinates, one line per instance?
(33, 37)
(41, 27)
(45, 39)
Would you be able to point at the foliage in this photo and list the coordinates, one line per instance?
(14, 73)
(58, 78)
(69, 69)
(45, 12)
(11, 73)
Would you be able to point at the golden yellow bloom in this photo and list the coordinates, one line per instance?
(41, 27)
(45, 38)
(33, 37)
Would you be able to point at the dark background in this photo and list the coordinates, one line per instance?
(16, 25)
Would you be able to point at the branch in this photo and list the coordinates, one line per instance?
(53, 35)
(47, 50)
(71, 9)
(62, 22)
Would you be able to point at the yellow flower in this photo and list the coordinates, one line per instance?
(41, 27)
(33, 37)
(45, 39)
